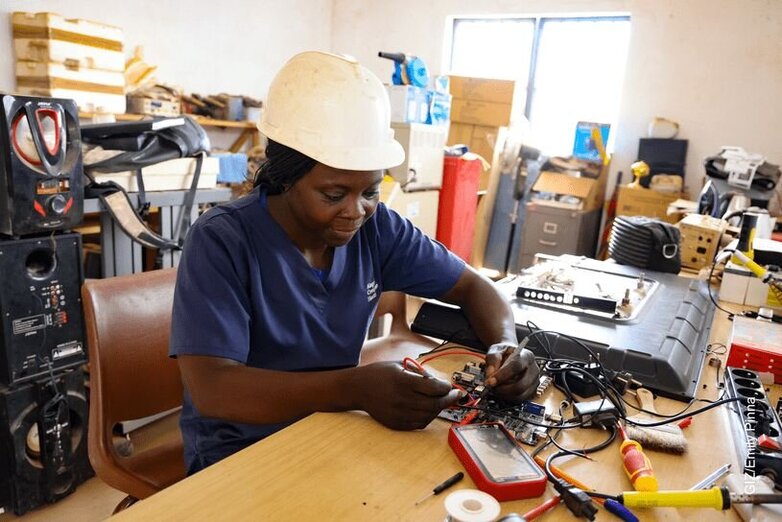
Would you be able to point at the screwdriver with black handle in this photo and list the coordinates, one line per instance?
(439, 488)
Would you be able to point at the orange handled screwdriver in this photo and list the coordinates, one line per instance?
(636, 464)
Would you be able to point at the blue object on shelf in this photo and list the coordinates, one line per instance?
(233, 167)
(584, 146)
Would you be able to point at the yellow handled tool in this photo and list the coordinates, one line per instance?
(716, 498)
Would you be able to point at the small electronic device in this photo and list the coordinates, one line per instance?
(495, 462)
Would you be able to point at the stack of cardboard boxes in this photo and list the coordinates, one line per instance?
(639, 201)
(70, 58)
(479, 108)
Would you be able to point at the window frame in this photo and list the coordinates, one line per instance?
(539, 21)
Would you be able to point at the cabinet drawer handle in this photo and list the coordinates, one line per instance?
(547, 243)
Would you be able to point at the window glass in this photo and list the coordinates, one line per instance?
(493, 48)
(579, 74)
(578, 69)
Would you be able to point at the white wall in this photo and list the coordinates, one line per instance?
(715, 66)
(204, 46)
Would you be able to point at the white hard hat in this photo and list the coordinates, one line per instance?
(334, 110)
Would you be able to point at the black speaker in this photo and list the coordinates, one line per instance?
(43, 441)
(41, 186)
(40, 306)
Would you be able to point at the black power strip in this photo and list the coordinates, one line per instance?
(754, 424)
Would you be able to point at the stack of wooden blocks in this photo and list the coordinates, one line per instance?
(70, 58)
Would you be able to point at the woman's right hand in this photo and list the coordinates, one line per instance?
(401, 399)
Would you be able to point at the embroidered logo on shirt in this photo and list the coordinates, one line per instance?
(371, 291)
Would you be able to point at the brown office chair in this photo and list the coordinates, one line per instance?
(131, 377)
(400, 342)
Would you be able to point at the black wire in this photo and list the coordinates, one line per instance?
(533, 328)
(711, 294)
(578, 342)
(685, 415)
(585, 451)
(601, 495)
(604, 390)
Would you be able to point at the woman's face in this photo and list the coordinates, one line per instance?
(329, 205)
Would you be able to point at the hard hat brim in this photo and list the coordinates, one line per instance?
(386, 156)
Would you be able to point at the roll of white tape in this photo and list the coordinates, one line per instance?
(471, 505)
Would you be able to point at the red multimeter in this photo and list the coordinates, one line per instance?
(495, 461)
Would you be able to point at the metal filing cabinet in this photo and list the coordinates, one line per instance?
(553, 230)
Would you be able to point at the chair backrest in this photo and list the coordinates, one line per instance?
(128, 320)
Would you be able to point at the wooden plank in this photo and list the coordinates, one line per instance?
(486, 202)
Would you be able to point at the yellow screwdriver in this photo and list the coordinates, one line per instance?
(717, 498)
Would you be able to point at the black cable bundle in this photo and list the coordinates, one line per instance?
(645, 243)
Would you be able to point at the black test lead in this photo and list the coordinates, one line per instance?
(443, 486)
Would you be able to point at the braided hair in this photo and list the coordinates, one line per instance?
(284, 166)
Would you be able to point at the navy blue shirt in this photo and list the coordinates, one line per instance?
(245, 292)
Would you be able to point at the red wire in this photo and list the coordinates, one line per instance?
(539, 510)
(452, 352)
(407, 362)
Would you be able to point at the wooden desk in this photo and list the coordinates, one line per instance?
(346, 466)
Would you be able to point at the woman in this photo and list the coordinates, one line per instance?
(276, 290)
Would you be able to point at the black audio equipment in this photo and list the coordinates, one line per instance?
(40, 306)
(43, 440)
(41, 186)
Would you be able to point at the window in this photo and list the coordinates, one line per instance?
(566, 69)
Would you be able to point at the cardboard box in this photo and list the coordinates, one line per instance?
(482, 89)
(481, 140)
(419, 207)
(460, 133)
(589, 191)
(491, 114)
(645, 202)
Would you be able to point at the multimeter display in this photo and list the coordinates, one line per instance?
(495, 462)
(501, 459)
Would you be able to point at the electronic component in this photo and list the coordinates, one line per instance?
(600, 413)
(555, 284)
(543, 384)
(523, 421)
(495, 462)
(663, 345)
